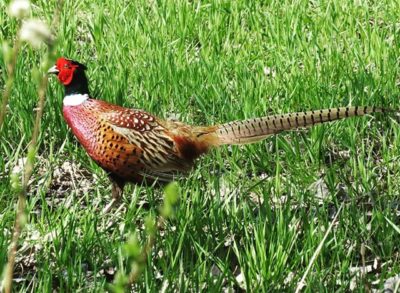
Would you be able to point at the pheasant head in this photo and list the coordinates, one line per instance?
(72, 75)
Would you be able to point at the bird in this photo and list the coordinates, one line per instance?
(134, 146)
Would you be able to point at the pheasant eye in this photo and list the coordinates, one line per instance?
(65, 65)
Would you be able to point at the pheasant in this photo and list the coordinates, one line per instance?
(135, 146)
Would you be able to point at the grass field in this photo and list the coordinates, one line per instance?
(249, 217)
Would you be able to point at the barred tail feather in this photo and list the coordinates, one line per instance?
(256, 129)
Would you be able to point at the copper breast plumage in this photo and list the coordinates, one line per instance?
(127, 142)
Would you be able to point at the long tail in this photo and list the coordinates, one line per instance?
(256, 129)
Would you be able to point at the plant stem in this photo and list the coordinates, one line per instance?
(10, 81)
(20, 216)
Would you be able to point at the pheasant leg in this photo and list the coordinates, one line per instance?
(117, 189)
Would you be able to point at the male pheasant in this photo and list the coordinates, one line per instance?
(134, 146)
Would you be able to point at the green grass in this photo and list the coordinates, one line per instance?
(250, 209)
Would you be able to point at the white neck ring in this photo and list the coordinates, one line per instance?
(75, 99)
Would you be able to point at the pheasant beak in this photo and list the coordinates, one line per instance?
(53, 70)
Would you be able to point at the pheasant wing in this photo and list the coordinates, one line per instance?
(156, 150)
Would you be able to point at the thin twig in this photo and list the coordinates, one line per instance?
(10, 81)
(20, 215)
(302, 282)
(20, 218)
(135, 274)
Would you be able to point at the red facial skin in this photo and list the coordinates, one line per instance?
(66, 70)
